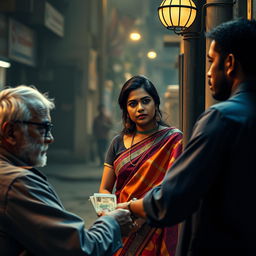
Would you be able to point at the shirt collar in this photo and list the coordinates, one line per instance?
(10, 158)
(248, 86)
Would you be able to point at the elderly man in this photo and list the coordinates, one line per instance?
(33, 220)
(212, 185)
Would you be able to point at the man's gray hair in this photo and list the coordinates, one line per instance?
(18, 102)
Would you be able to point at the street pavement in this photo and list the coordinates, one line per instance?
(74, 183)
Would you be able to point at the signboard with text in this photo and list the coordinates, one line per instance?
(22, 43)
(54, 20)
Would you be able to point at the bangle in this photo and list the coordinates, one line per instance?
(129, 204)
(133, 216)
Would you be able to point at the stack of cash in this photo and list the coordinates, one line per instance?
(103, 202)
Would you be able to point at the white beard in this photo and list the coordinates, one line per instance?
(41, 161)
(33, 154)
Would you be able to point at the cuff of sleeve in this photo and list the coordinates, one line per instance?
(151, 210)
(117, 238)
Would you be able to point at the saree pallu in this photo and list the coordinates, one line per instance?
(138, 170)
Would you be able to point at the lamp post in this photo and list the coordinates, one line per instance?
(189, 19)
(184, 18)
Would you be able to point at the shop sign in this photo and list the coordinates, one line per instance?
(54, 20)
(22, 43)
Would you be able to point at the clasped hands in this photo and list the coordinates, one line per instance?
(128, 222)
(137, 221)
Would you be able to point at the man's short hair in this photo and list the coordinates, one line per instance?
(16, 103)
(239, 38)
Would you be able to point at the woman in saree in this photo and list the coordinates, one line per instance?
(138, 159)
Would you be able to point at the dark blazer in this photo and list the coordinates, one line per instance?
(211, 186)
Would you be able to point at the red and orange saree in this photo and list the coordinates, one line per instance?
(139, 169)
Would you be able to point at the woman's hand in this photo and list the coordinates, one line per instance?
(134, 206)
(123, 205)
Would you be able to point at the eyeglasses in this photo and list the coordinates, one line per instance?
(47, 126)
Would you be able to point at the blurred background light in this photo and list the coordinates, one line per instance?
(135, 36)
(152, 54)
(4, 64)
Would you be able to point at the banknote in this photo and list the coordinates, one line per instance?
(103, 202)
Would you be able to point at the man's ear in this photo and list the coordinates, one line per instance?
(230, 64)
(8, 134)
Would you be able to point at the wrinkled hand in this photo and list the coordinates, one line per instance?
(123, 217)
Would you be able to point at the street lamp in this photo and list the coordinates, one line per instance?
(177, 15)
(152, 54)
(135, 36)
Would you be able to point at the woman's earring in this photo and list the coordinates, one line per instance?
(128, 122)
(158, 116)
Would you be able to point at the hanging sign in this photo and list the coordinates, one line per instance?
(22, 43)
(54, 20)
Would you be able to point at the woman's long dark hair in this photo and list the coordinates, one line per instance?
(134, 83)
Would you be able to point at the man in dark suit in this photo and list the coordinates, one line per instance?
(211, 187)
